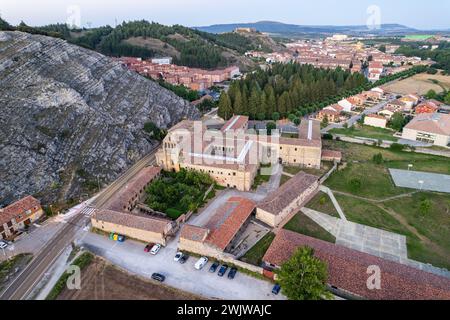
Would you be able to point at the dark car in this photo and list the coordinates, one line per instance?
(232, 273)
(149, 247)
(184, 259)
(223, 270)
(158, 277)
(214, 267)
(276, 289)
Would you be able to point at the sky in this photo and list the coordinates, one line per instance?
(421, 14)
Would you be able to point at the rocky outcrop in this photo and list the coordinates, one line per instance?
(69, 115)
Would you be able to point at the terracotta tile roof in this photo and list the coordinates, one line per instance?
(288, 192)
(194, 233)
(133, 187)
(235, 123)
(140, 222)
(227, 221)
(331, 154)
(19, 207)
(437, 123)
(347, 270)
(309, 130)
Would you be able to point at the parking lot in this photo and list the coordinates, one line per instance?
(130, 256)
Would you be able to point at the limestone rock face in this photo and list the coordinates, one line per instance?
(69, 115)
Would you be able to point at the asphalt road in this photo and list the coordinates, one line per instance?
(30, 276)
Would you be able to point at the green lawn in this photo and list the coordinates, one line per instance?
(366, 132)
(284, 179)
(398, 160)
(366, 213)
(254, 255)
(300, 223)
(322, 203)
(435, 224)
(375, 181)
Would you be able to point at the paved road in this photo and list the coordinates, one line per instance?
(30, 276)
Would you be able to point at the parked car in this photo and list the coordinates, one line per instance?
(178, 256)
(155, 249)
(214, 267)
(158, 277)
(149, 247)
(232, 273)
(223, 269)
(201, 263)
(3, 244)
(184, 258)
(276, 289)
(120, 238)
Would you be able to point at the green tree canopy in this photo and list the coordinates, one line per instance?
(304, 277)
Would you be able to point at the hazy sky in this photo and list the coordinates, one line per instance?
(424, 14)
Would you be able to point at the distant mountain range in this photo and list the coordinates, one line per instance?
(283, 29)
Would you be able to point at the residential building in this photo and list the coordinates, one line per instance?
(348, 271)
(375, 71)
(18, 216)
(346, 105)
(429, 106)
(165, 60)
(331, 113)
(396, 105)
(430, 128)
(375, 120)
(288, 199)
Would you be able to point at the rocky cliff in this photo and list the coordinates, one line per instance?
(69, 115)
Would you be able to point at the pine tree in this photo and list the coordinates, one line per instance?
(225, 110)
(238, 106)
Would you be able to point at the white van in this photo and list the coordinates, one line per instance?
(201, 263)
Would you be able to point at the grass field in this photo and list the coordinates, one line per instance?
(254, 255)
(300, 223)
(420, 83)
(322, 203)
(366, 132)
(428, 235)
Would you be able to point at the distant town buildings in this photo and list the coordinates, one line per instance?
(192, 78)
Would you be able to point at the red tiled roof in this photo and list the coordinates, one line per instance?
(228, 220)
(288, 192)
(331, 154)
(235, 123)
(347, 270)
(140, 222)
(19, 207)
(194, 233)
(133, 187)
